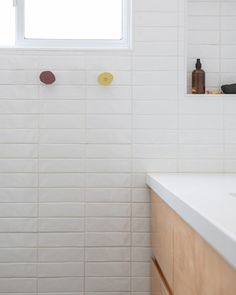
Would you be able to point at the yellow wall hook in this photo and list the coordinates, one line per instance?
(105, 78)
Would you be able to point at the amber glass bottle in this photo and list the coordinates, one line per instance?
(198, 79)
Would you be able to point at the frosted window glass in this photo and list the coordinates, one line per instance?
(7, 23)
(73, 19)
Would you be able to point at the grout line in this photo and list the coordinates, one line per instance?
(38, 186)
(179, 89)
(132, 153)
(86, 174)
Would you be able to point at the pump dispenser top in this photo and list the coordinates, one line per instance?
(198, 64)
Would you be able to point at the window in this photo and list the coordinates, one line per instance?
(65, 23)
(7, 23)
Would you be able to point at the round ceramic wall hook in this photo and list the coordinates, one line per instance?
(47, 77)
(105, 78)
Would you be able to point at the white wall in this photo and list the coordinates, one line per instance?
(74, 205)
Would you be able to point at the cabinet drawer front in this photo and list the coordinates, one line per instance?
(162, 236)
(198, 269)
(187, 264)
(158, 286)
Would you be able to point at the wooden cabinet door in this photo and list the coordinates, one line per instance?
(158, 286)
(198, 269)
(162, 236)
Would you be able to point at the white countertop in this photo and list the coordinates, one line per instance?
(205, 201)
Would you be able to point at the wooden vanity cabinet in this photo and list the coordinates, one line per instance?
(162, 236)
(198, 268)
(190, 266)
(158, 285)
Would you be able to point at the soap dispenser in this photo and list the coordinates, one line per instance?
(198, 79)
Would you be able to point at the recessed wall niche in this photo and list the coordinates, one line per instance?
(211, 36)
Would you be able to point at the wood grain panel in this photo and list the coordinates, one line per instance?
(162, 236)
(198, 268)
(158, 286)
(187, 263)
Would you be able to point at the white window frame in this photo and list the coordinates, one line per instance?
(124, 43)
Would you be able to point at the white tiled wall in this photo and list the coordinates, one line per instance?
(211, 30)
(74, 205)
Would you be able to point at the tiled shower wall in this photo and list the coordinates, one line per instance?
(211, 32)
(74, 205)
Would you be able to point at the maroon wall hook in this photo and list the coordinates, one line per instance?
(47, 77)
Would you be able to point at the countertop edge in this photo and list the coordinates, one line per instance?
(218, 239)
